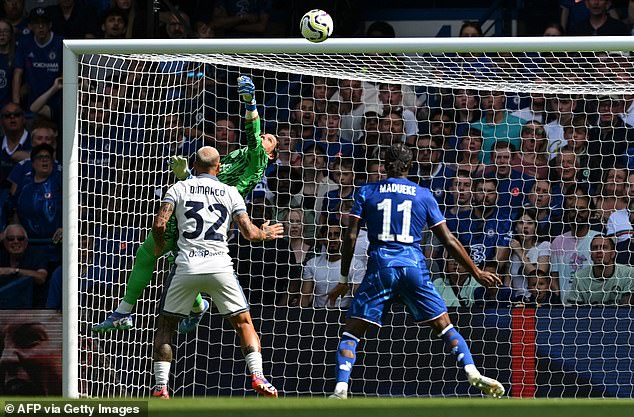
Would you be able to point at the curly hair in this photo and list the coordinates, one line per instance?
(398, 159)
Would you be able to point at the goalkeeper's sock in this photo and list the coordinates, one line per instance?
(142, 271)
(345, 362)
(124, 307)
(198, 304)
(161, 372)
(254, 363)
(454, 341)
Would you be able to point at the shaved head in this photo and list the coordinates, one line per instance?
(207, 160)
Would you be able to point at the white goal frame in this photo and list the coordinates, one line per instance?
(73, 49)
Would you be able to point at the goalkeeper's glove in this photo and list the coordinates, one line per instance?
(178, 164)
(246, 89)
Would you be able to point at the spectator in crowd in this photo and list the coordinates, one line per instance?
(330, 135)
(302, 249)
(391, 130)
(315, 179)
(441, 124)
(458, 200)
(321, 274)
(73, 20)
(570, 251)
(177, 25)
(466, 106)
(619, 224)
(532, 160)
(41, 106)
(567, 171)
(609, 140)
(536, 108)
(241, 20)
(24, 169)
(135, 16)
(469, 155)
(114, 24)
(285, 144)
(367, 147)
(321, 90)
(38, 202)
(530, 258)
(497, 124)
(547, 201)
(38, 60)
(31, 360)
(14, 13)
(428, 170)
(599, 22)
(513, 185)
(554, 29)
(225, 138)
(374, 170)
(54, 297)
(604, 282)
(455, 284)
(380, 29)
(352, 107)
(343, 174)
(16, 142)
(19, 261)
(563, 108)
(485, 229)
(7, 61)
(576, 137)
(391, 98)
(625, 240)
(303, 117)
(612, 193)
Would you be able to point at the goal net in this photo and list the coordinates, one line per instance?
(527, 154)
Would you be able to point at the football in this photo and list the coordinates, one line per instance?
(316, 25)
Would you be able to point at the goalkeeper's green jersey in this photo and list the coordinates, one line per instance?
(244, 168)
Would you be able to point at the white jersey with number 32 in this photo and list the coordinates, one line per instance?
(204, 208)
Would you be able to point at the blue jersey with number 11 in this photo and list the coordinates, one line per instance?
(396, 211)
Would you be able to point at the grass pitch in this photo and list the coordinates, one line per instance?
(355, 407)
(390, 407)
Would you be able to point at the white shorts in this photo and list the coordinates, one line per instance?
(180, 292)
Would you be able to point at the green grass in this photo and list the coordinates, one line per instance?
(390, 407)
(383, 407)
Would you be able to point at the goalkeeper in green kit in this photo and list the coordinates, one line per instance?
(242, 168)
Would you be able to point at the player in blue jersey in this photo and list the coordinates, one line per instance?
(396, 211)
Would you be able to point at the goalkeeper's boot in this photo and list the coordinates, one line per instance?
(161, 392)
(115, 321)
(262, 386)
(489, 386)
(188, 324)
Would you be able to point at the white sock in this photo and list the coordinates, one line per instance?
(198, 308)
(161, 372)
(124, 308)
(471, 371)
(254, 363)
(341, 387)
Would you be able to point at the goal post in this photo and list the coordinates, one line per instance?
(167, 79)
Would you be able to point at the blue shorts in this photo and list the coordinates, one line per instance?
(409, 285)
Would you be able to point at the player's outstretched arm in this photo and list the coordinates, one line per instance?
(254, 234)
(159, 226)
(347, 252)
(455, 248)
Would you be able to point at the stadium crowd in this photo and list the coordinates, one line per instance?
(538, 187)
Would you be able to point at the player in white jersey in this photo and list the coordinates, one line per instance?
(204, 208)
